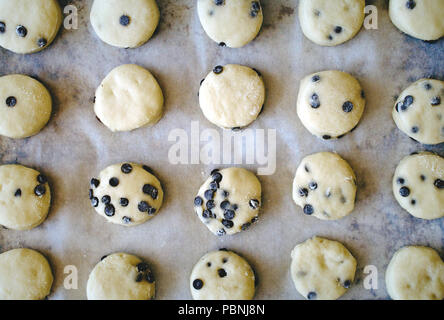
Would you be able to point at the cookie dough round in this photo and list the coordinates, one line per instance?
(418, 185)
(128, 98)
(329, 23)
(232, 96)
(25, 106)
(25, 274)
(127, 194)
(25, 197)
(322, 269)
(121, 276)
(422, 19)
(415, 273)
(28, 26)
(125, 23)
(330, 103)
(325, 186)
(419, 111)
(222, 275)
(232, 23)
(229, 201)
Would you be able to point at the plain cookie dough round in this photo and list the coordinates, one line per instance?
(127, 194)
(322, 269)
(330, 103)
(325, 186)
(222, 275)
(25, 274)
(121, 276)
(232, 23)
(418, 185)
(232, 96)
(415, 273)
(25, 106)
(229, 201)
(125, 23)
(25, 197)
(329, 23)
(28, 26)
(422, 19)
(419, 111)
(129, 98)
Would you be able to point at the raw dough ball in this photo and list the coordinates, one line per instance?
(129, 98)
(232, 96)
(232, 23)
(330, 103)
(222, 275)
(124, 23)
(127, 194)
(25, 274)
(121, 276)
(419, 111)
(25, 106)
(25, 197)
(229, 201)
(329, 23)
(322, 269)
(325, 186)
(418, 185)
(415, 273)
(28, 26)
(422, 19)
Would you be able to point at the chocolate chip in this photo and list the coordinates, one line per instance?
(245, 226)
(314, 101)
(2, 27)
(427, 86)
(114, 182)
(11, 102)
(95, 183)
(225, 193)
(110, 210)
(224, 260)
(143, 206)
(214, 185)
(42, 179)
(311, 295)
(225, 204)
(338, 29)
(218, 69)
(208, 264)
(413, 202)
(147, 169)
(124, 202)
(95, 202)
(330, 37)
(151, 211)
(347, 106)
(439, 183)
(210, 204)
(410, 4)
(222, 273)
(436, 101)
(303, 192)
(347, 284)
(42, 42)
(235, 207)
(139, 277)
(422, 177)
(207, 214)
(400, 181)
(18, 193)
(209, 194)
(227, 223)
(408, 101)
(255, 8)
(126, 168)
(221, 232)
(254, 204)
(254, 220)
(198, 201)
(315, 78)
(151, 191)
(198, 284)
(150, 277)
(104, 257)
(21, 31)
(222, 44)
(306, 169)
(40, 190)
(326, 137)
(124, 20)
(404, 192)
(236, 129)
(229, 214)
(313, 185)
(308, 209)
(106, 199)
(91, 194)
(126, 219)
(142, 267)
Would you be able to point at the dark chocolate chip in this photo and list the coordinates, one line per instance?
(124, 202)
(245, 226)
(209, 194)
(11, 102)
(95, 183)
(225, 204)
(303, 192)
(408, 101)
(139, 277)
(42, 42)
(150, 277)
(222, 273)
(427, 86)
(410, 4)
(347, 106)
(126, 219)
(126, 168)
(315, 78)
(208, 264)
(221, 232)
(151, 211)
(311, 295)
(110, 210)
(103, 258)
(114, 182)
(198, 201)
(143, 206)
(225, 193)
(326, 137)
(106, 199)
(413, 202)
(400, 181)
(436, 101)
(124, 20)
(308, 209)
(313, 185)
(95, 202)
(330, 37)
(210, 204)
(404, 192)
(222, 44)
(218, 69)
(142, 267)
(227, 223)
(422, 177)
(255, 8)
(439, 183)
(148, 169)
(229, 214)
(314, 101)
(40, 190)
(415, 129)
(42, 179)
(151, 191)
(21, 31)
(235, 207)
(207, 214)
(306, 168)
(214, 185)
(2, 27)
(198, 284)
(18, 193)
(91, 194)
(236, 129)
(338, 29)
(254, 204)
(347, 284)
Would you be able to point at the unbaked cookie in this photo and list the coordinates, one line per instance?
(28, 26)
(329, 23)
(124, 23)
(128, 98)
(229, 201)
(232, 96)
(330, 103)
(422, 19)
(232, 23)
(322, 269)
(419, 111)
(418, 185)
(325, 186)
(127, 194)
(25, 106)
(25, 274)
(121, 276)
(222, 275)
(415, 273)
(25, 197)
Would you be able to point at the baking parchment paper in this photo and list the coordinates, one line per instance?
(74, 147)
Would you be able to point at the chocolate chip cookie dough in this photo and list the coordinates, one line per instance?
(229, 201)
(127, 194)
(418, 185)
(25, 197)
(222, 275)
(232, 23)
(28, 26)
(121, 276)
